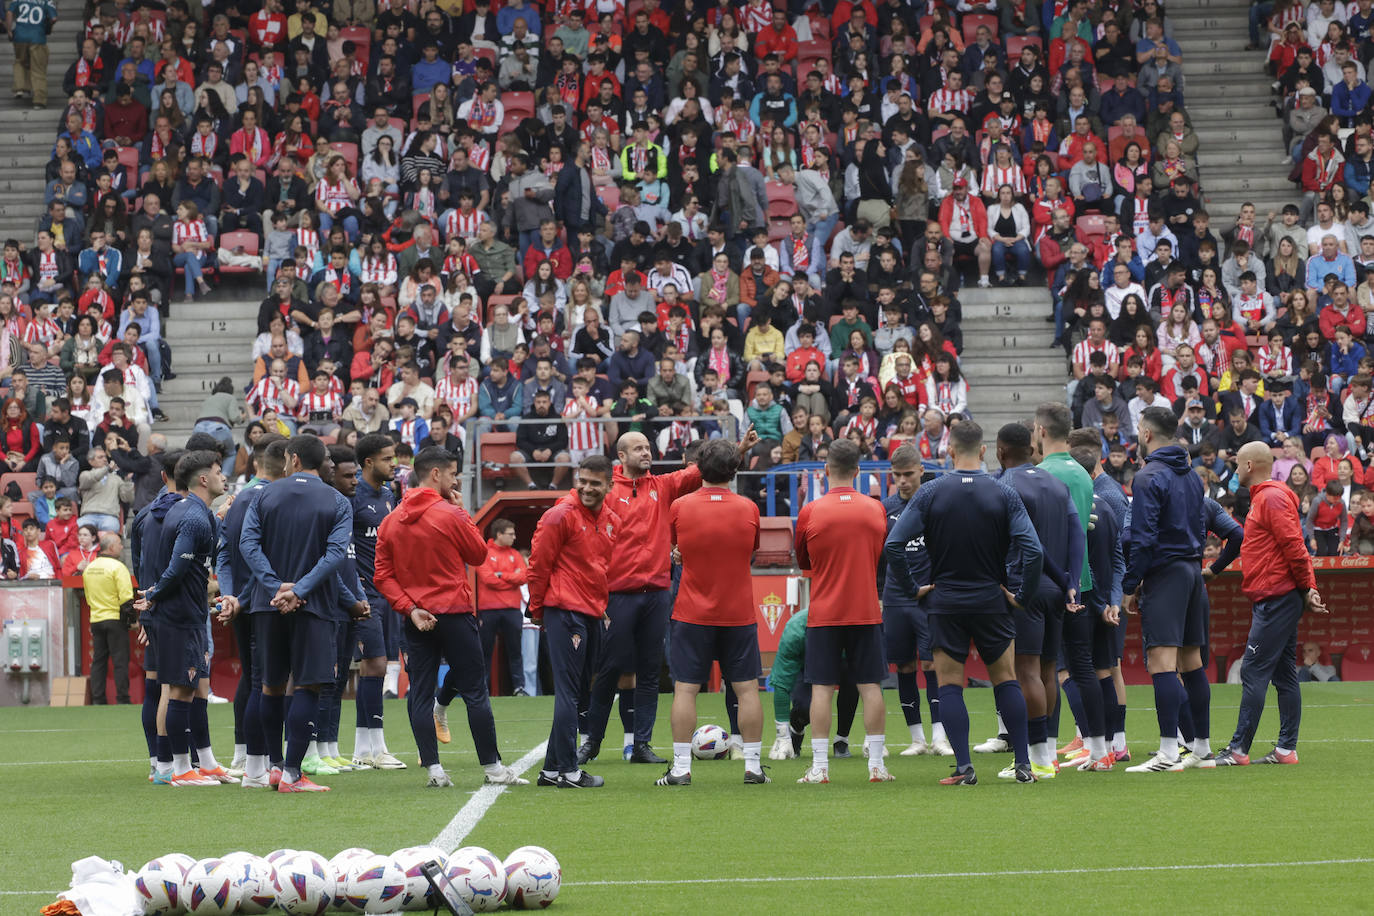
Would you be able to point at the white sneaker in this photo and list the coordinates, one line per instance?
(940, 747)
(255, 782)
(238, 763)
(384, 761)
(1194, 762)
(441, 781)
(916, 749)
(215, 699)
(736, 750)
(879, 773)
(815, 776)
(984, 282)
(782, 750)
(994, 745)
(505, 777)
(1157, 763)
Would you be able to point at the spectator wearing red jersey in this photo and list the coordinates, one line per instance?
(964, 221)
(428, 587)
(714, 620)
(839, 541)
(498, 600)
(779, 38)
(567, 579)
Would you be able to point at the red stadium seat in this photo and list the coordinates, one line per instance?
(27, 481)
(775, 541)
(753, 378)
(128, 157)
(522, 102)
(495, 300)
(610, 196)
(350, 153)
(1358, 664)
(1016, 42)
(248, 241)
(782, 199)
(814, 48)
(495, 447)
(778, 229)
(972, 21)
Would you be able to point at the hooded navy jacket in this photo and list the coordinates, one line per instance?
(1167, 518)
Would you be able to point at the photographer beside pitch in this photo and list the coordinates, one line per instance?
(1276, 574)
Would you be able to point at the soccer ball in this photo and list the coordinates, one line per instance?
(533, 877)
(710, 742)
(409, 860)
(342, 863)
(478, 876)
(277, 854)
(254, 877)
(375, 884)
(211, 889)
(159, 884)
(304, 883)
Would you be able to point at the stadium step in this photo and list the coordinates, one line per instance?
(1240, 155)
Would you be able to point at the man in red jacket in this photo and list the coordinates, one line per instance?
(964, 221)
(498, 600)
(1278, 578)
(430, 589)
(640, 602)
(567, 578)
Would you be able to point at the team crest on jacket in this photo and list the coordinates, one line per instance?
(653, 494)
(771, 608)
(610, 532)
(576, 640)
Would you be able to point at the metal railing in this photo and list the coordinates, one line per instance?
(811, 476)
(472, 477)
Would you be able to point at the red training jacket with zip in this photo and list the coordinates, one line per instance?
(570, 556)
(499, 579)
(421, 548)
(1273, 556)
(642, 563)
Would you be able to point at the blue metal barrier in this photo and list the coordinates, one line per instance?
(813, 474)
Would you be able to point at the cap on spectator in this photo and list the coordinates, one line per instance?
(1195, 402)
(961, 182)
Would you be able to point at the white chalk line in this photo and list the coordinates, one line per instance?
(471, 814)
(1019, 873)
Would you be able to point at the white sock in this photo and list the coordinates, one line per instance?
(820, 753)
(181, 763)
(1168, 746)
(169, 768)
(333, 749)
(629, 739)
(874, 744)
(376, 740)
(1180, 739)
(1041, 754)
(392, 681)
(1202, 746)
(937, 732)
(207, 758)
(753, 750)
(682, 758)
(1283, 750)
(549, 774)
(312, 749)
(839, 738)
(1097, 747)
(436, 770)
(362, 742)
(1119, 741)
(240, 752)
(152, 762)
(1001, 727)
(737, 741)
(779, 726)
(256, 767)
(491, 769)
(575, 775)
(918, 733)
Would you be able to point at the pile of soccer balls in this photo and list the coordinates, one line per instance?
(354, 881)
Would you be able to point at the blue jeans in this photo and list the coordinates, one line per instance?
(224, 436)
(350, 226)
(190, 262)
(820, 234)
(154, 353)
(1258, 13)
(100, 520)
(1020, 250)
(529, 657)
(527, 237)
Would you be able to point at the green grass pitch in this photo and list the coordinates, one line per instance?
(1297, 839)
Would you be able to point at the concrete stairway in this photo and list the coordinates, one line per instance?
(210, 339)
(1240, 153)
(1007, 358)
(27, 138)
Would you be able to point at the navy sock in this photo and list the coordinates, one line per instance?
(199, 724)
(151, 690)
(600, 698)
(254, 735)
(1011, 703)
(954, 716)
(1074, 698)
(910, 696)
(1052, 719)
(241, 694)
(164, 749)
(933, 696)
(1120, 719)
(178, 726)
(300, 725)
(846, 705)
(627, 709)
(1038, 729)
(1185, 718)
(1199, 691)
(1094, 720)
(370, 704)
(1168, 699)
(1107, 687)
(273, 725)
(732, 708)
